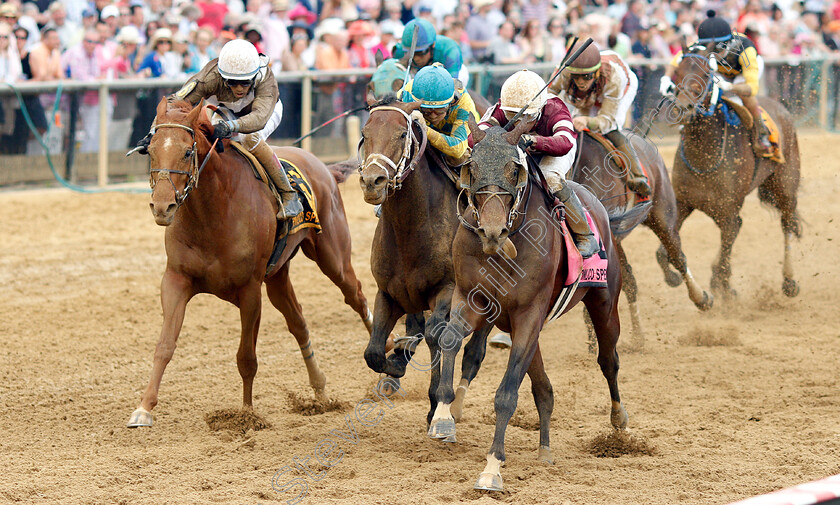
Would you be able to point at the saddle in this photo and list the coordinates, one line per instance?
(306, 219)
(748, 121)
(622, 163)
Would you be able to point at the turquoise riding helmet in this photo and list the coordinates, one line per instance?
(425, 36)
(433, 87)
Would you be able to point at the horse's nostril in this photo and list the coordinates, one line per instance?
(379, 181)
(171, 208)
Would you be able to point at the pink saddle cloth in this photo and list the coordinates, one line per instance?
(593, 270)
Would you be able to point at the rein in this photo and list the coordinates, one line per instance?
(194, 172)
(402, 168)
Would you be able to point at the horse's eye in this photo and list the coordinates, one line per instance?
(402, 136)
(188, 154)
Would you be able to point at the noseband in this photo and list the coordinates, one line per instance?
(710, 87)
(195, 170)
(402, 168)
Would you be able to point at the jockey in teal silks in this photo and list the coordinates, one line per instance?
(431, 48)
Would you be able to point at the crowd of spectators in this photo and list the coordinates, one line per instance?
(103, 39)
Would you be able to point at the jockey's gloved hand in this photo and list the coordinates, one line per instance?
(222, 130)
(526, 141)
(666, 85)
(143, 144)
(417, 117)
(723, 84)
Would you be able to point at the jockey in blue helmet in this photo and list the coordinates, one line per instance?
(430, 48)
(446, 109)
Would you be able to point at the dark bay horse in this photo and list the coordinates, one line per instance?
(715, 167)
(603, 173)
(504, 204)
(411, 254)
(219, 238)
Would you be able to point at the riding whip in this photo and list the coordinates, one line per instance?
(345, 113)
(562, 67)
(411, 53)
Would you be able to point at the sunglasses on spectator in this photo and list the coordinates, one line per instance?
(21, 37)
(89, 41)
(235, 82)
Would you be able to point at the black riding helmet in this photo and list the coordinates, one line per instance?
(713, 29)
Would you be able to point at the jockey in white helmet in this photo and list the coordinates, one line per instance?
(245, 92)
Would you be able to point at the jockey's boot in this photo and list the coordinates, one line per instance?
(636, 180)
(289, 203)
(576, 221)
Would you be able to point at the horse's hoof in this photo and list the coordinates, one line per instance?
(489, 482)
(619, 418)
(672, 278)
(545, 455)
(375, 360)
(442, 428)
(706, 303)
(140, 418)
(388, 387)
(500, 341)
(790, 288)
(396, 364)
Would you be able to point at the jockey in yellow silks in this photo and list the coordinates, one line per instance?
(739, 69)
(446, 110)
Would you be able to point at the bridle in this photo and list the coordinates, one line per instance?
(405, 165)
(517, 191)
(710, 93)
(192, 174)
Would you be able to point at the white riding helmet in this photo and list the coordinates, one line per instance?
(239, 60)
(520, 88)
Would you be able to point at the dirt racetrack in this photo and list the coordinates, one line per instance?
(737, 402)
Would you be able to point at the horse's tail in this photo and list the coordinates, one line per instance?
(793, 225)
(342, 169)
(623, 222)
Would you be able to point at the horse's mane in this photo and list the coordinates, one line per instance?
(178, 110)
(388, 99)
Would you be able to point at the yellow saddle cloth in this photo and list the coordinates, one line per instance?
(748, 120)
(306, 219)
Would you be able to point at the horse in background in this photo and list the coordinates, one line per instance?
(715, 167)
(603, 172)
(503, 204)
(219, 240)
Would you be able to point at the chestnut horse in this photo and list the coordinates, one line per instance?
(505, 205)
(219, 239)
(715, 167)
(411, 254)
(602, 173)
